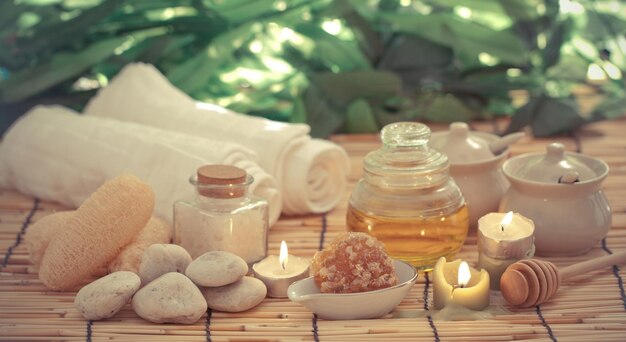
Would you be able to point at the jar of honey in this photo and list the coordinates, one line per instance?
(408, 200)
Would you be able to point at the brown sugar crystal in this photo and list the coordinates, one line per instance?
(353, 262)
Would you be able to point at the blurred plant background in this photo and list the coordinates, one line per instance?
(341, 66)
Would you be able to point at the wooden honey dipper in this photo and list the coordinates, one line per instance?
(531, 282)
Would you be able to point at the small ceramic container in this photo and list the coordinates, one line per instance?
(561, 192)
(361, 305)
(474, 167)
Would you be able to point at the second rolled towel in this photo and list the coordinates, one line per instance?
(311, 172)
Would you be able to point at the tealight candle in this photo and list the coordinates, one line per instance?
(456, 283)
(279, 272)
(503, 240)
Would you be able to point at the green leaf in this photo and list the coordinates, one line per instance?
(483, 6)
(334, 53)
(9, 13)
(495, 82)
(602, 25)
(194, 73)
(323, 117)
(547, 116)
(499, 106)
(299, 111)
(611, 108)
(62, 67)
(48, 37)
(465, 37)
(555, 116)
(343, 88)
(570, 67)
(360, 119)
(445, 108)
(411, 52)
(559, 34)
(523, 116)
(521, 9)
(241, 11)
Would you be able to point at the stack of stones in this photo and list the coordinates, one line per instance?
(176, 289)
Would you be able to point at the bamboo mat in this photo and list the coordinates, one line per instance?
(592, 309)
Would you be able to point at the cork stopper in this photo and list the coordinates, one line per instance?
(221, 181)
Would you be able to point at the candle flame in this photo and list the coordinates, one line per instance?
(283, 257)
(464, 274)
(506, 220)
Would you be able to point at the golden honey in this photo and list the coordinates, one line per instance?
(417, 240)
(408, 200)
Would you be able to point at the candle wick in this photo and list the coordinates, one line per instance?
(282, 264)
(502, 227)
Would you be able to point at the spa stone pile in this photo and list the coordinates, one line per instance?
(176, 289)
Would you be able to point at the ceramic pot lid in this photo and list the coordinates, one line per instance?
(460, 146)
(555, 166)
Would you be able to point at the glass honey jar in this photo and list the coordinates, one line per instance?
(408, 200)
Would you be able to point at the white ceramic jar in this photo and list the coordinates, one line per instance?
(561, 192)
(475, 167)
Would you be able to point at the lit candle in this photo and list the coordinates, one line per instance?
(279, 272)
(503, 240)
(456, 283)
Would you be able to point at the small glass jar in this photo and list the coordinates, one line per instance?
(408, 200)
(223, 216)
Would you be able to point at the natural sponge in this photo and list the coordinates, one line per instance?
(38, 235)
(353, 262)
(106, 222)
(156, 231)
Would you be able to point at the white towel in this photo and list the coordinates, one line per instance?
(311, 172)
(59, 155)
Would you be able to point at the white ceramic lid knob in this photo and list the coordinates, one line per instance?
(459, 130)
(555, 152)
(461, 147)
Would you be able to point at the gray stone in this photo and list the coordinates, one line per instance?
(104, 297)
(159, 259)
(239, 296)
(216, 268)
(171, 298)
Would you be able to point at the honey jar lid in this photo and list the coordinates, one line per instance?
(221, 181)
(405, 158)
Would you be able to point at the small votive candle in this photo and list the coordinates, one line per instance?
(503, 240)
(456, 283)
(279, 272)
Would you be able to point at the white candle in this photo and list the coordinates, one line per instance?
(456, 283)
(503, 240)
(279, 272)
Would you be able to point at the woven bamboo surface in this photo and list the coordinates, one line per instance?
(589, 309)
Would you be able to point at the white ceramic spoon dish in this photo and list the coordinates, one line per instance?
(361, 305)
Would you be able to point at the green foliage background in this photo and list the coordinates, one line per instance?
(341, 66)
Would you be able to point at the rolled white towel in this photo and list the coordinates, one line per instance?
(55, 154)
(311, 172)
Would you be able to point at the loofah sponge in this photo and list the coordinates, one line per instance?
(38, 235)
(156, 231)
(104, 224)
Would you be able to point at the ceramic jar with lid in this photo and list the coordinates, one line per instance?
(475, 164)
(407, 198)
(561, 192)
